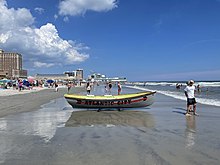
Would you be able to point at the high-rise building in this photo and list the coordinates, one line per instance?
(79, 74)
(11, 65)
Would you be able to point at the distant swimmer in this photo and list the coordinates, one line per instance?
(178, 86)
(198, 88)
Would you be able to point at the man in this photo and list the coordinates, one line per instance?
(190, 95)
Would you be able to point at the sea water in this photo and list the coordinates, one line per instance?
(209, 93)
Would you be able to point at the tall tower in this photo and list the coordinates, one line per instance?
(11, 64)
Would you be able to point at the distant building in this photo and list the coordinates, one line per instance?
(66, 76)
(79, 74)
(11, 65)
(102, 78)
(51, 77)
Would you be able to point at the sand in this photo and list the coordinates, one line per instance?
(11, 91)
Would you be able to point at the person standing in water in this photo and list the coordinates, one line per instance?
(119, 88)
(110, 87)
(190, 95)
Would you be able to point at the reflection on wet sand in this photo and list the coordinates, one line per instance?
(123, 118)
(190, 131)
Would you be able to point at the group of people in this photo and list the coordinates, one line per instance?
(108, 88)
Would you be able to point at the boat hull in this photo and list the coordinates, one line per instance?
(136, 100)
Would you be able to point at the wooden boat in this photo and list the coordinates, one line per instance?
(133, 100)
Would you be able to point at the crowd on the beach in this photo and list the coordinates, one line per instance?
(22, 84)
(11, 87)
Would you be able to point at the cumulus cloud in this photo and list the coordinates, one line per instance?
(42, 43)
(79, 7)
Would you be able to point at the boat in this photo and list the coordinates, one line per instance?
(131, 100)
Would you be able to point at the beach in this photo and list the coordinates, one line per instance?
(51, 132)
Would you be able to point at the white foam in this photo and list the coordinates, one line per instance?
(110, 125)
(201, 83)
(181, 96)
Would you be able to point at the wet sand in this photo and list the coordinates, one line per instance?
(25, 102)
(159, 134)
(110, 118)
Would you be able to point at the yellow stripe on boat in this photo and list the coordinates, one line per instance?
(107, 97)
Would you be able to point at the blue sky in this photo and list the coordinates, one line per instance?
(142, 40)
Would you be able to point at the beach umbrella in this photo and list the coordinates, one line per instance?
(50, 81)
(30, 79)
(4, 80)
(26, 83)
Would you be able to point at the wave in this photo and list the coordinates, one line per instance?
(201, 83)
(179, 96)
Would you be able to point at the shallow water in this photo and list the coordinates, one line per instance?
(209, 93)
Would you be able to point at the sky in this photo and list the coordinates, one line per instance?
(142, 40)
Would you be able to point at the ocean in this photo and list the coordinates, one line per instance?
(209, 93)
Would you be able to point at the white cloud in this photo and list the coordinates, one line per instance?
(39, 10)
(17, 32)
(55, 16)
(15, 18)
(66, 19)
(42, 64)
(79, 7)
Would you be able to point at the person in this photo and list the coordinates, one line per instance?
(88, 88)
(190, 95)
(198, 88)
(56, 87)
(177, 86)
(109, 87)
(20, 85)
(119, 88)
(68, 87)
(106, 89)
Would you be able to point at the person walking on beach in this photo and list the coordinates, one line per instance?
(190, 95)
(20, 85)
(68, 87)
(119, 88)
(56, 87)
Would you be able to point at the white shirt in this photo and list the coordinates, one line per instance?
(190, 91)
(88, 88)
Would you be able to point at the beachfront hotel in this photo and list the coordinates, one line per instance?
(11, 65)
